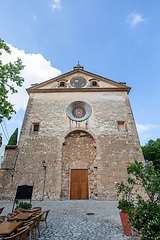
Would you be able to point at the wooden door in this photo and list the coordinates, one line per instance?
(79, 184)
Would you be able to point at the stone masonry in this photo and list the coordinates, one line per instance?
(103, 143)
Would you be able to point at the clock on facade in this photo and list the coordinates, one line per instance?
(78, 82)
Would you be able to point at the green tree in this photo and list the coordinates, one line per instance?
(144, 213)
(13, 138)
(9, 75)
(151, 152)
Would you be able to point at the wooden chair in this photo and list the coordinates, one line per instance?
(22, 235)
(36, 210)
(20, 229)
(37, 224)
(31, 225)
(1, 209)
(3, 218)
(21, 210)
(34, 226)
(44, 218)
(10, 215)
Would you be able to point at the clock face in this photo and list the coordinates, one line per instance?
(78, 82)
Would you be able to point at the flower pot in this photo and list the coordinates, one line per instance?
(15, 211)
(125, 223)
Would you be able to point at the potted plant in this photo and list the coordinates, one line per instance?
(125, 204)
(144, 214)
(23, 205)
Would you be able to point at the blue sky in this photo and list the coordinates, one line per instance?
(119, 40)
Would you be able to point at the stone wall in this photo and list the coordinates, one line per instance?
(104, 150)
(29, 168)
(116, 152)
(7, 172)
(49, 109)
(79, 152)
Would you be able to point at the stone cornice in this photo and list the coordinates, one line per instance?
(54, 90)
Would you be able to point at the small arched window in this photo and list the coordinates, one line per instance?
(94, 84)
(62, 84)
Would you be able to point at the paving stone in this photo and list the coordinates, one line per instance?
(75, 224)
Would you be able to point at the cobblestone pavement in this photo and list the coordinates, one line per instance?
(69, 220)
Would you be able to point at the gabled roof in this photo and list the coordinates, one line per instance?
(78, 70)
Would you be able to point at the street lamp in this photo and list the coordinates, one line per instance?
(44, 166)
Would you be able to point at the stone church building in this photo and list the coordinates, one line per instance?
(77, 137)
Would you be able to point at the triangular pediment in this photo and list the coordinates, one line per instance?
(78, 80)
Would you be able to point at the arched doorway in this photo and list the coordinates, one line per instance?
(78, 174)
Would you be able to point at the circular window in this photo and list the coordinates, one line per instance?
(79, 111)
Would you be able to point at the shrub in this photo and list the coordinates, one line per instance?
(125, 203)
(23, 205)
(144, 214)
(146, 218)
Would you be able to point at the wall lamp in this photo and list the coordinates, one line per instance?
(44, 164)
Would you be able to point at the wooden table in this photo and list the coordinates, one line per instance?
(21, 217)
(28, 211)
(6, 228)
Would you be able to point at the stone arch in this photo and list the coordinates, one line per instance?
(79, 152)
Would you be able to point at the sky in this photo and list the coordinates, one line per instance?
(119, 40)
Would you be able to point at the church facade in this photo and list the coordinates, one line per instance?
(77, 137)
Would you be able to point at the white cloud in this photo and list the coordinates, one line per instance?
(35, 18)
(56, 5)
(146, 127)
(37, 69)
(147, 132)
(134, 18)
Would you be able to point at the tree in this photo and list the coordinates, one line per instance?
(9, 75)
(13, 138)
(151, 152)
(144, 213)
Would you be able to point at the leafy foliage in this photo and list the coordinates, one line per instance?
(126, 203)
(147, 178)
(151, 152)
(146, 218)
(9, 75)
(145, 213)
(23, 205)
(13, 138)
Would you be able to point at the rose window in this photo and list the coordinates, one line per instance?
(78, 111)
